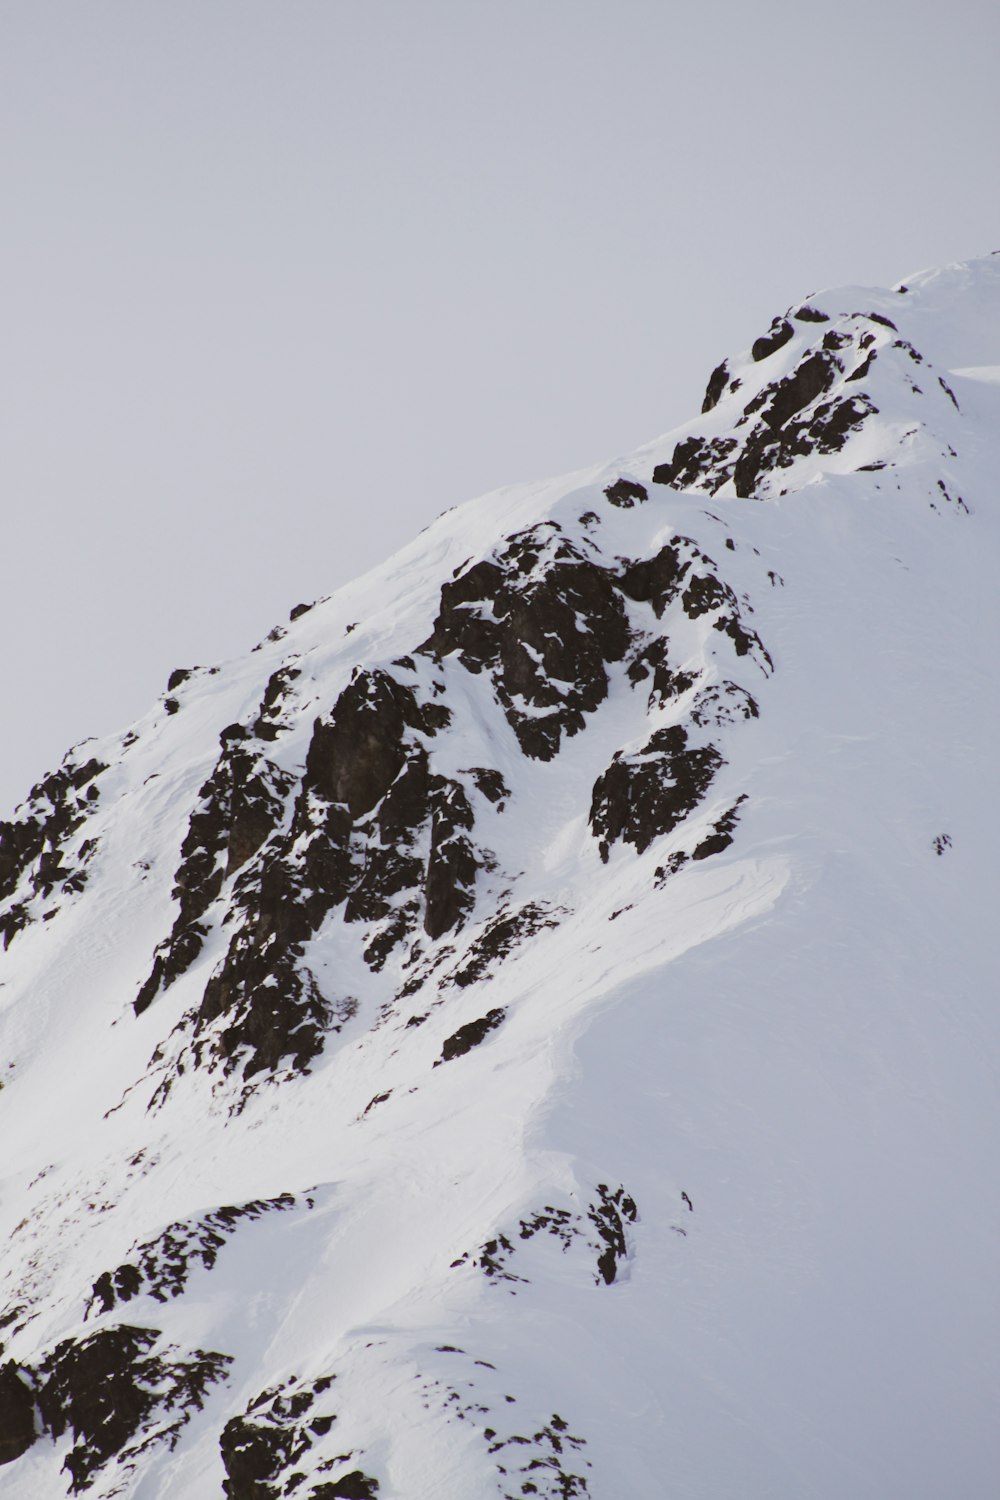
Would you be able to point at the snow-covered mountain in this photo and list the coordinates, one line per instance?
(529, 1028)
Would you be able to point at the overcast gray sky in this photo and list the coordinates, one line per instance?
(283, 279)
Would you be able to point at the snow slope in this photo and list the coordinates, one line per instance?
(529, 1027)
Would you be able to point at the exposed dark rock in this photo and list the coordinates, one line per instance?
(355, 757)
(490, 783)
(111, 1389)
(886, 322)
(779, 334)
(863, 368)
(626, 492)
(171, 705)
(722, 833)
(34, 844)
(500, 937)
(716, 386)
(671, 865)
(353, 1486)
(491, 1258)
(653, 662)
(466, 1037)
(269, 724)
(609, 1215)
(809, 314)
(705, 593)
(260, 1447)
(372, 831)
(452, 864)
(238, 807)
(784, 398)
(547, 1454)
(545, 621)
(725, 703)
(177, 676)
(160, 1268)
(298, 610)
(914, 354)
(17, 1412)
(656, 580)
(696, 459)
(646, 794)
(826, 431)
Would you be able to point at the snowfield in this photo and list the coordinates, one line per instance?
(529, 1027)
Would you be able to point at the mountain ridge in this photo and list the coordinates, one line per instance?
(352, 916)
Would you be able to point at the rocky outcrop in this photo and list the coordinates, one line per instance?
(648, 793)
(41, 855)
(160, 1267)
(545, 621)
(600, 1230)
(262, 1449)
(118, 1393)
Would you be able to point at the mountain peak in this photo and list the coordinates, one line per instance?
(498, 1037)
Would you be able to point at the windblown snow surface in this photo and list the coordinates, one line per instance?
(530, 1026)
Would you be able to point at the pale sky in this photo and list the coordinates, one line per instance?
(283, 279)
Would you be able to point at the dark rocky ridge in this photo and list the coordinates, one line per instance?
(545, 621)
(642, 796)
(804, 412)
(160, 1268)
(116, 1392)
(262, 1448)
(35, 848)
(606, 1217)
(369, 829)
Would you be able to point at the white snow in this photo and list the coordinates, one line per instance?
(800, 1033)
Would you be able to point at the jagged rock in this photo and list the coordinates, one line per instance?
(783, 399)
(353, 1486)
(111, 1389)
(239, 806)
(725, 703)
(260, 1448)
(695, 459)
(646, 794)
(500, 937)
(466, 1037)
(545, 621)
(34, 845)
(656, 580)
(653, 661)
(17, 1412)
(609, 1216)
(491, 784)
(626, 492)
(268, 724)
(826, 432)
(355, 757)
(160, 1267)
(781, 331)
(716, 385)
(722, 833)
(452, 864)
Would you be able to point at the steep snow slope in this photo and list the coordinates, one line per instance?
(529, 1027)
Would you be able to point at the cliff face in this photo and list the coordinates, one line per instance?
(525, 1029)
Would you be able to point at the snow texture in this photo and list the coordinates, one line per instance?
(529, 1027)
